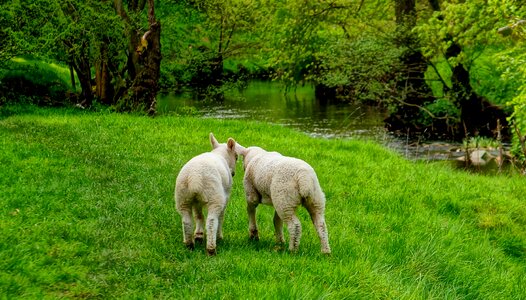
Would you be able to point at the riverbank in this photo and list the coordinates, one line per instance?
(88, 212)
(302, 110)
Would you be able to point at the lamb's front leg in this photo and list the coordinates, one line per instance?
(253, 199)
(278, 229)
(294, 227)
(186, 216)
(252, 225)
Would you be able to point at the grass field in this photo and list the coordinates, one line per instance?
(87, 211)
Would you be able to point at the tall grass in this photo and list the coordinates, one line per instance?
(88, 212)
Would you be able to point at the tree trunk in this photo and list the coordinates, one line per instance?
(82, 66)
(83, 70)
(104, 89)
(145, 85)
(413, 91)
(415, 87)
(477, 115)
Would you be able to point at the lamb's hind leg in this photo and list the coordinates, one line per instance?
(220, 225)
(212, 224)
(294, 227)
(186, 215)
(288, 215)
(199, 223)
(317, 216)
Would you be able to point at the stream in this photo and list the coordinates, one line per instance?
(267, 102)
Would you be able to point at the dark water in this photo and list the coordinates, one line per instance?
(268, 102)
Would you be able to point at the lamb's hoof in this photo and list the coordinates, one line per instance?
(279, 247)
(293, 251)
(190, 246)
(199, 240)
(211, 252)
(254, 236)
(326, 252)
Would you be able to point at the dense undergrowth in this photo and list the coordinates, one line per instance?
(88, 212)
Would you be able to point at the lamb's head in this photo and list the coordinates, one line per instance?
(248, 153)
(227, 151)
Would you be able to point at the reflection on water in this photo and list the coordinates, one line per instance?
(266, 101)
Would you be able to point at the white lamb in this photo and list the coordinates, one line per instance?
(285, 183)
(206, 181)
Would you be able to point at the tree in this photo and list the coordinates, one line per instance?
(143, 57)
(342, 47)
(413, 91)
(223, 30)
(514, 65)
(90, 36)
(458, 33)
(80, 27)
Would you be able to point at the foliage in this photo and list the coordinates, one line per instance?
(340, 45)
(91, 37)
(480, 142)
(88, 212)
(473, 27)
(440, 108)
(513, 68)
(202, 36)
(21, 22)
(364, 68)
(516, 72)
(351, 47)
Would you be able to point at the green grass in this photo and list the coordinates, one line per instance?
(39, 71)
(88, 212)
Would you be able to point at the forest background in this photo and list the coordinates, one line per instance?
(443, 69)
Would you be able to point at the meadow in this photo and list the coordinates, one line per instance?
(87, 211)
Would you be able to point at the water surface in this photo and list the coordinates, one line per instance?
(301, 110)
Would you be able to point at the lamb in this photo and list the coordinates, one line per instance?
(205, 181)
(285, 183)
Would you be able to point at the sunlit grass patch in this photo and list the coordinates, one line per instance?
(39, 68)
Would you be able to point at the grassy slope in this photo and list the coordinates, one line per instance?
(88, 211)
(39, 71)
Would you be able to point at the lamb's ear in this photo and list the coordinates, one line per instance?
(240, 150)
(213, 141)
(231, 144)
